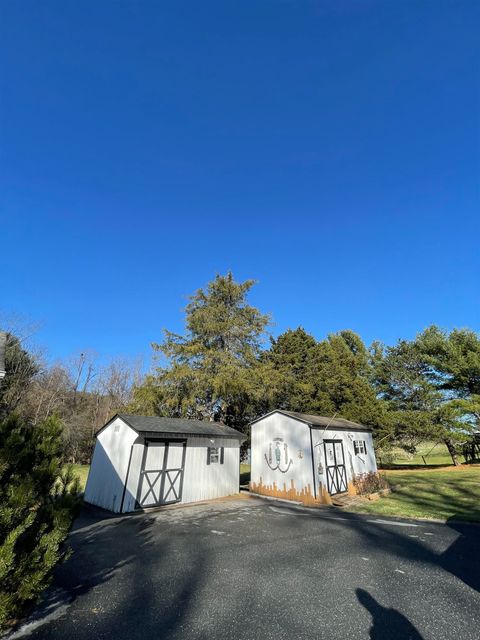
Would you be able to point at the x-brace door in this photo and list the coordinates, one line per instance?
(335, 467)
(161, 477)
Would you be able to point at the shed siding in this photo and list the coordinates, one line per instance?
(117, 461)
(304, 479)
(201, 481)
(204, 481)
(290, 478)
(133, 477)
(354, 464)
(108, 470)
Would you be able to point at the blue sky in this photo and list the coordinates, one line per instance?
(329, 150)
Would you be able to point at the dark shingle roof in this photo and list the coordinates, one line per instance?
(322, 421)
(154, 424)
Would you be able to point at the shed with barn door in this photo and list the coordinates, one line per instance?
(144, 461)
(308, 458)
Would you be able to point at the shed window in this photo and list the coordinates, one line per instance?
(359, 446)
(215, 455)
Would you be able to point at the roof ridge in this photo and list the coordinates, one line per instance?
(139, 415)
(167, 424)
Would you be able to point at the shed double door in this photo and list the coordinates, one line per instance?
(161, 477)
(335, 467)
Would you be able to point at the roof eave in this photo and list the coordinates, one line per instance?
(179, 434)
(284, 413)
(355, 426)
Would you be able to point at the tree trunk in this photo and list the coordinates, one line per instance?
(452, 451)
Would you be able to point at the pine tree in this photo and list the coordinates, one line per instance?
(324, 378)
(208, 370)
(21, 368)
(289, 370)
(37, 503)
(429, 384)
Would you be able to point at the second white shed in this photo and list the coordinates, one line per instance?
(144, 461)
(308, 458)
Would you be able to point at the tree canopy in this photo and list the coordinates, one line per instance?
(226, 366)
(430, 385)
(207, 370)
(222, 368)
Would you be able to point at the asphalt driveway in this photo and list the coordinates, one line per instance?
(254, 569)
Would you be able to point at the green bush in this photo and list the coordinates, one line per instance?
(38, 500)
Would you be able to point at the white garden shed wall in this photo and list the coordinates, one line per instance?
(143, 461)
(308, 458)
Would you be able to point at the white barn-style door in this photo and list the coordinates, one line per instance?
(161, 477)
(335, 467)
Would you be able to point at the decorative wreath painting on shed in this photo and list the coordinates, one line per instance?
(278, 458)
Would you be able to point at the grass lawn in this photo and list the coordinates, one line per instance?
(81, 471)
(430, 452)
(244, 474)
(433, 493)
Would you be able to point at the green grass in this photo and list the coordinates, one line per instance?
(81, 471)
(435, 493)
(244, 474)
(434, 454)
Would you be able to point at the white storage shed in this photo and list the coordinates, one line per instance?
(308, 458)
(143, 461)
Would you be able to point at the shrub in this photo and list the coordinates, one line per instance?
(385, 456)
(37, 503)
(370, 483)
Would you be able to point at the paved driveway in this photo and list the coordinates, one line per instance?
(254, 569)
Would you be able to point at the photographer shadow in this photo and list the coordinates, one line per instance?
(387, 623)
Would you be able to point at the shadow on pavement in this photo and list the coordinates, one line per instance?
(462, 557)
(146, 595)
(386, 623)
(167, 576)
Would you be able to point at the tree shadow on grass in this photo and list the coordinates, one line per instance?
(244, 479)
(450, 499)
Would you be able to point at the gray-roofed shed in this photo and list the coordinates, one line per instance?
(331, 423)
(147, 461)
(155, 424)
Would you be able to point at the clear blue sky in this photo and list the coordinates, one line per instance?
(328, 149)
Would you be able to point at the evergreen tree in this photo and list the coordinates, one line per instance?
(21, 368)
(325, 378)
(344, 386)
(428, 384)
(289, 369)
(37, 503)
(453, 360)
(208, 370)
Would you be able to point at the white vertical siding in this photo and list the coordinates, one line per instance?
(297, 436)
(308, 477)
(201, 481)
(354, 464)
(204, 481)
(133, 477)
(106, 479)
(117, 465)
